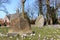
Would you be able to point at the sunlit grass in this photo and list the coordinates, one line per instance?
(46, 32)
(3, 30)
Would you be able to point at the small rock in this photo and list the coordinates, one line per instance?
(17, 39)
(52, 39)
(10, 37)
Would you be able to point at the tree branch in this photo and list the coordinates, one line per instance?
(3, 1)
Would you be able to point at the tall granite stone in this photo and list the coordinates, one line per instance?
(39, 21)
(19, 25)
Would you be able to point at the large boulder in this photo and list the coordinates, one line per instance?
(19, 25)
(24, 25)
(39, 21)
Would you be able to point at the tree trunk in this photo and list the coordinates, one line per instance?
(40, 7)
(54, 15)
(23, 1)
(51, 14)
(48, 14)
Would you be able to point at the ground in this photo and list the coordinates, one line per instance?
(44, 33)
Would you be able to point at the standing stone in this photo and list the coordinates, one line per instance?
(40, 21)
(24, 25)
(19, 25)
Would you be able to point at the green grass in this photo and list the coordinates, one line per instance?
(3, 30)
(47, 33)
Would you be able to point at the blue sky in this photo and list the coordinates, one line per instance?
(14, 4)
(11, 7)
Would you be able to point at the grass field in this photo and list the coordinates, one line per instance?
(44, 33)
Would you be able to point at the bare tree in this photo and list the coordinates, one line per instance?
(40, 7)
(48, 11)
(23, 2)
(4, 1)
(51, 13)
(1, 5)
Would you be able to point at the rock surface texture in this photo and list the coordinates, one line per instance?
(40, 21)
(19, 25)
